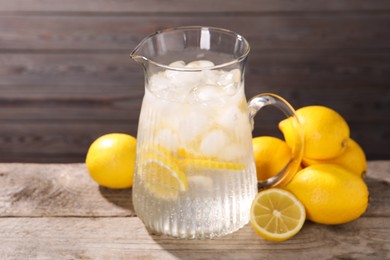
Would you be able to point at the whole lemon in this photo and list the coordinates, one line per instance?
(330, 193)
(326, 133)
(110, 160)
(271, 156)
(353, 159)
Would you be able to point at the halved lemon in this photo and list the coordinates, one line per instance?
(163, 177)
(276, 214)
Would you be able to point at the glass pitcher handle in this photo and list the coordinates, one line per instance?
(288, 172)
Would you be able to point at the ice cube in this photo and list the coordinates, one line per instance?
(229, 81)
(233, 152)
(200, 64)
(173, 85)
(236, 75)
(206, 94)
(167, 138)
(184, 79)
(200, 182)
(213, 142)
(158, 83)
(193, 125)
(173, 75)
(225, 78)
(230, 117)
(210, 77)
(178, 64)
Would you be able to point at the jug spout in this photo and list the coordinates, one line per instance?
(139, 59)
(144, 51)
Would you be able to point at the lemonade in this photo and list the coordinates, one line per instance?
(195, 173)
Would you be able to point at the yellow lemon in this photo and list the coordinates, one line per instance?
(163, 176)
(277, 214)
(271, 156)
(110, 160)
(326, 133)
(353, 159)
(330, 193)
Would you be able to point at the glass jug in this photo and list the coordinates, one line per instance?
(195, 176)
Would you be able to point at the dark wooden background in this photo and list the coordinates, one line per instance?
(65, 75)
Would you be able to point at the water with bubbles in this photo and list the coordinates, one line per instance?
(200, 114)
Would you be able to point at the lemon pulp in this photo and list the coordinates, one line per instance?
(163, 176)
(277, 214)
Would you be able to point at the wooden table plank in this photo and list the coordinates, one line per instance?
(56, 211)
(65, 190)
(34, 190)
(126, 238)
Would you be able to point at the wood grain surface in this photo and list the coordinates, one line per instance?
(55, 190)
(56, 211)
(66, 78)
(126, 238)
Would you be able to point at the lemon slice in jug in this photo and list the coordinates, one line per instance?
(163, 177)
(188, 159)
(212, 164)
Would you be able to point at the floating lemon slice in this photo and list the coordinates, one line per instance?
(276, 214)
(211, 164)
(191, 160)
(164, 171)
(163, 176)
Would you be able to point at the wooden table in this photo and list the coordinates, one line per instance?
(55, 211)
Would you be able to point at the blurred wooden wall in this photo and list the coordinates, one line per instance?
(65, 75)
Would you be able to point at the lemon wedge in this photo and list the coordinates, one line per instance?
(276, 214)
